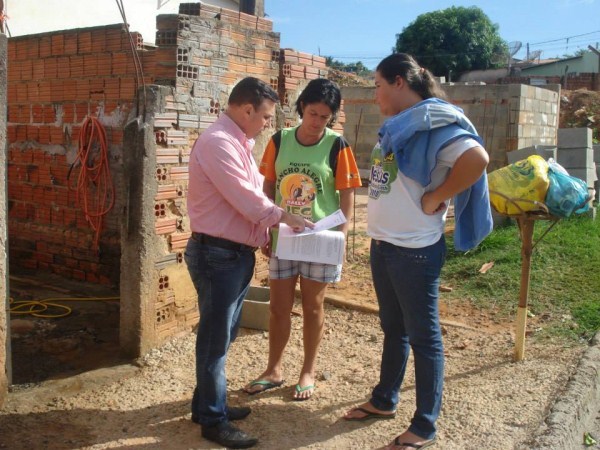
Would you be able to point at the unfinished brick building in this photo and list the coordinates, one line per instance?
(151, 101)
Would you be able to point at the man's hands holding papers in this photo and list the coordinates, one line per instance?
(331, 221)
(296, 223)
(315, 244)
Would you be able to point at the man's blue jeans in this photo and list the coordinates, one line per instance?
(222, 278)
(406, 282)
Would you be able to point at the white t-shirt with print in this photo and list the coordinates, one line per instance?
(394, 208)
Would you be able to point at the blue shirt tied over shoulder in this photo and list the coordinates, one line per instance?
(416, 136)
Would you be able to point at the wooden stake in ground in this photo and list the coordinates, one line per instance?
(526, 221)
(526, 225)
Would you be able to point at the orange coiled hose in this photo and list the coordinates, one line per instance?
(95, 187)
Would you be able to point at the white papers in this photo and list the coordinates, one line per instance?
(319, 244)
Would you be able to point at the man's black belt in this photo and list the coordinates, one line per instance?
(221, 242)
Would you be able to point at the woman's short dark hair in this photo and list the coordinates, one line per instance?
(252, 90)
(321, 90)
(418, 78)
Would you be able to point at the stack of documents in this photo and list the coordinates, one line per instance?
(319, 244)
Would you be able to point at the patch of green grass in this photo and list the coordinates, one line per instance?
(564, 284)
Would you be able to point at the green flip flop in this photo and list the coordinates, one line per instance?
(299, 389)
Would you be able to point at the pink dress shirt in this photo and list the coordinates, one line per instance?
(225, 197)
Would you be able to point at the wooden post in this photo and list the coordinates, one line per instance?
(526, 226)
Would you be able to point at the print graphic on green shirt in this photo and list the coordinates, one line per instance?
(297, 192)
(384, 171)
(305, 179)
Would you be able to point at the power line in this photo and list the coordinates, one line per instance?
(564, 38)
(546, 49)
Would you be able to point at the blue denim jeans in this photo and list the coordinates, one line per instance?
(406, 282)
(222, 278)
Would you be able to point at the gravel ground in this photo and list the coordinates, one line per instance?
(490, 402)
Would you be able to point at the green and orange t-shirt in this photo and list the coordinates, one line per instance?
(308, 178)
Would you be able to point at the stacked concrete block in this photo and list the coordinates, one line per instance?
(576, 154)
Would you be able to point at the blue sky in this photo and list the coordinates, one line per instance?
(348, 30)
(366, 30)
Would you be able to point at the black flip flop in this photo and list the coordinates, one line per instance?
(411, 445)
(265, 386)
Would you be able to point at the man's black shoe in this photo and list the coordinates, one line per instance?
(238, 412)
(228, 436)
(233, 413)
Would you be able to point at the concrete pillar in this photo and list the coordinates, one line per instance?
(4, 329)
(137, 330)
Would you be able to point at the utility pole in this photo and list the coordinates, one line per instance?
(598, 55)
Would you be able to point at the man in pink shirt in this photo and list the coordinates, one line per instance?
(230, 216)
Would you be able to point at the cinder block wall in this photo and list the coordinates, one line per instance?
(508, 117)
(363, 121)
(56, 80)
(3, 225)
(572, 81)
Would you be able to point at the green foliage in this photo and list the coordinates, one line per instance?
(456, 39)
(579, 52)
(564, 288)
(357, 68)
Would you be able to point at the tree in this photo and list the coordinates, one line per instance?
(453, 40)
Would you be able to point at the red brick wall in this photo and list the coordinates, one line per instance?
(56, 80)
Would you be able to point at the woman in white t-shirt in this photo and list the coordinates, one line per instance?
(428, 152)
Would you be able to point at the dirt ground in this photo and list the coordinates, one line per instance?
(490, 402)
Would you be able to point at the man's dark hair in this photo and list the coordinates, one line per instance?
(324, 91)
(252, 90)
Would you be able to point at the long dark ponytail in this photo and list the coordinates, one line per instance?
(418, 78)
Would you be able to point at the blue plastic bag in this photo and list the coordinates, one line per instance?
(566, 194)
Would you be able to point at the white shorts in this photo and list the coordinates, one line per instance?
(280, 269)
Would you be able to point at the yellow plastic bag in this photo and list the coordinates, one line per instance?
(524, 182)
